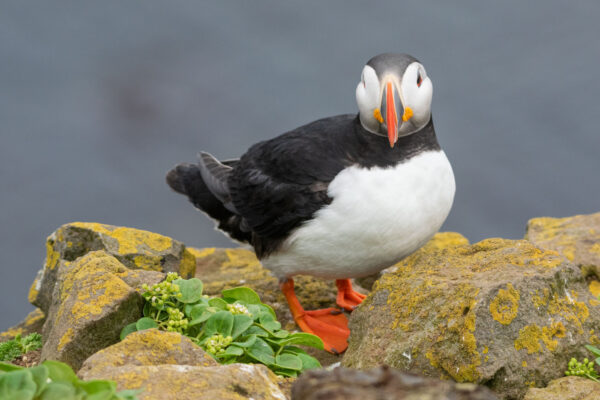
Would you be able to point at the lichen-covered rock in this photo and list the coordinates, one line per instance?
(33, 322)
(183, 382)
(381, 383)
(134, 248)
(91, 302)
(148, 347)
(576, 238)
(567, 388)
(438, 241)
(499, 312)
(167, 365)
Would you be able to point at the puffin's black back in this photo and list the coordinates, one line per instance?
(280, 183)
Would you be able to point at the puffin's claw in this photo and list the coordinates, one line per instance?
(347, 297)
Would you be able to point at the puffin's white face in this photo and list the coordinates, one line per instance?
(393, 105)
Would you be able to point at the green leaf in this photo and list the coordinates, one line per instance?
(593, 349)
(147, 309)
(293, 350)
(17, 385)
(60, 372)
(218, 303)
(145, 323)
(286, 372)
(233, 351)
(127, 330)
(205, 315)
(242, 294)
(289, 361)
(282, 334)
(308, 362)
(241, 322)
(246, 343)
(268, 322)
(302, 338)
(597, 361)
(197, 310)
(220, 322)
(40, 377)
(99, 389)
(58, 391)
(7, 367)
(10, 350)
(191, 290)
(258, 331)
(261, 351)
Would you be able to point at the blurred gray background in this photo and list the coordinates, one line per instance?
(99, 99)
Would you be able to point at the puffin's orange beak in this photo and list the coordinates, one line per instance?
(391, 117)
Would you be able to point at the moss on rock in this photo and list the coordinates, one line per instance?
(134, 248)
(498, 312)
(566, 388)
(90, 304)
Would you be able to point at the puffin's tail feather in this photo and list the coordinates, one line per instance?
(187, 179)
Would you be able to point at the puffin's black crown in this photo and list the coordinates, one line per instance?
(391, 62)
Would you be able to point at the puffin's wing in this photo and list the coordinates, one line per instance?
(279, 184)
(215, 175)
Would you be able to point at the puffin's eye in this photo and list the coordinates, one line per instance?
(419, 79)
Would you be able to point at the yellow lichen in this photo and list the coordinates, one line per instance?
(130, 240)
(595, 248)
(148, 262)
(201, 253)
(524, 364)
(52, 256)
(485, 350)
(595, 288)
(66, 338)
(505, 306)
(34, 291)
(531, 335)
(529, 338)
(187, 267)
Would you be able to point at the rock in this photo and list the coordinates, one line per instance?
(166, 365)
(134, 248)
(148, 347)
(381, 383)
(438, 241)
(91, 302)
(566, 388)
(33, 322)
(576, 238)
(500, 312)
(227, 268)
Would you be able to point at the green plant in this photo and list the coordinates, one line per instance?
(53, 380)
(586, 368)
(18, 346)
(234, 328)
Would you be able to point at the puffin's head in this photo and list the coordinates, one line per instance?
(394, 96)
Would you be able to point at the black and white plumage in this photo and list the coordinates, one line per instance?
(336, 198)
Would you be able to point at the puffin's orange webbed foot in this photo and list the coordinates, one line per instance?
(347, 298)
(330, 324)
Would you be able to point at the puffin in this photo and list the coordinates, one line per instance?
(339, 198)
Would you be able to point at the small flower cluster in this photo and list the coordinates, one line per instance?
(177, 321)
(217, 343)
(160, 294)
(237, 308)
(585, 369)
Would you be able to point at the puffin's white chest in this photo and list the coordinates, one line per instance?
(377, 217)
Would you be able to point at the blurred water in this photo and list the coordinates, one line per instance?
(99, 99)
